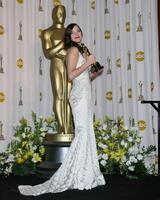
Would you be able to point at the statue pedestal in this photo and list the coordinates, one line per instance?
(59, 137)
(54, 155)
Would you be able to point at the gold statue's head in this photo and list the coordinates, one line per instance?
(59, 14)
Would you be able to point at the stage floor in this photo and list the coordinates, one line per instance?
(116, 188)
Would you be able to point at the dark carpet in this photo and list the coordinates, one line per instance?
(116, 188)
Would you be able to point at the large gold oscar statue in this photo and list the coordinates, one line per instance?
(53, 47)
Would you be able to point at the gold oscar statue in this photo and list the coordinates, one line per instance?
(53, 48)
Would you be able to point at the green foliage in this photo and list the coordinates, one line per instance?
(26, 148)
(119, 149)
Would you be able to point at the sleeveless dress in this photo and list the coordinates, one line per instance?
(80, 168)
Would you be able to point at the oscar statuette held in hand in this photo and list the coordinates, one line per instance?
(96, 66)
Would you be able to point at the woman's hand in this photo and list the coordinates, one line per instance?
(95, 74)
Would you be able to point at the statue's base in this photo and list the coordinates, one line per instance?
(59, 137)
(56, 147)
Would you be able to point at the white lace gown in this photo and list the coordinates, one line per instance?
(80, 168)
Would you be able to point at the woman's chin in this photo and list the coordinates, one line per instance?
(77, 41)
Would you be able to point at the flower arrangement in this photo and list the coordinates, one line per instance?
(26, 148)
(51, 124)
(119, 149)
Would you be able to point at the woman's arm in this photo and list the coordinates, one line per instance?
(71, 61)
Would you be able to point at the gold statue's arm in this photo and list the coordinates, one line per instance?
(48, 49)
(52, 51)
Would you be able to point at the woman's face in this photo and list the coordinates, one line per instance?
(76, 35)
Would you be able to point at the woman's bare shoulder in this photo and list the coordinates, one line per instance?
(72, 50)
(72, 53)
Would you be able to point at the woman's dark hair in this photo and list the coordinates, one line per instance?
(67, 37)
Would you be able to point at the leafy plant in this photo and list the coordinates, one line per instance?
(120, 151)
(26, 148)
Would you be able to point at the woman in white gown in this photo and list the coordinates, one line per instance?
(80, 168)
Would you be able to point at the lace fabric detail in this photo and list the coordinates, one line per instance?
(80, 168)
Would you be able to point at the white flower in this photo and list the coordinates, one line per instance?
(8, 170)
(130, 139)
(131, 168)
(133, 159)
(23, 135)
(104, 126)
(30, 144)
(147, 165)
(43, 134)
(130, 150)
(138, 140)
(34, 148)
(149, 168)
(43, 129)
(10, 158)
(125, 128)
(104, 146)
(133, 150)
(54, 131)
(125, 145)
(26, 129)
(50, 131)
(124, 159)
(106, 137)
(105, 156)
(103, 162)
(128, 163)
(132, 129)
(2, 162)
(100, 144)
(99, 156)
(139, 157)
(113, 131)
(122, 142)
